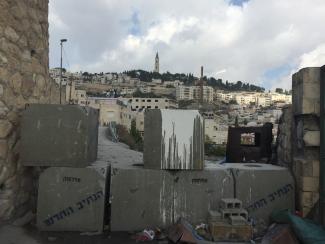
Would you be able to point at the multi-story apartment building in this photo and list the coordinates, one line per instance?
(245, 99)
(140, 104)
(194, 93)
(259, 98)
(225, 97)
(263, 101)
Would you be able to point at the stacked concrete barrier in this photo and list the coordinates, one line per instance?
(162, 190)
(72, 190)
(306, 136)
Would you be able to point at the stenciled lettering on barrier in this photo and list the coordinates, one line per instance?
(282, 191)
(78, 206)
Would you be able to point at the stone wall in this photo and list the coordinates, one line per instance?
(284, 138)
(306, 137)
(24, 78)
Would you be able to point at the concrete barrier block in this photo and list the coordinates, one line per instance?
(263, 188)
(142, 198)
(173, 139)
(197, 192)
(72, 199)
(59, 135)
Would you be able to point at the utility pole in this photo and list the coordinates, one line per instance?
(61, 43)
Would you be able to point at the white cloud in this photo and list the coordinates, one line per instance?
(231, 42)
(315, 58)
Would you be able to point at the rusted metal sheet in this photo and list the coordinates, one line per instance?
(249, 143)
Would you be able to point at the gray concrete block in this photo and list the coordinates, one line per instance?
(59, 135)
(140, 198)
(198, 192)
(173, 139)
(306, 87)
(230, 203)
(263, 188)
(227, 213)
(72, 199)
(143, 198)
(237, 220)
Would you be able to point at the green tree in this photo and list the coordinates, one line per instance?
(279, 90)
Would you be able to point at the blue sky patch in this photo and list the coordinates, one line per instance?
(238, 2)
(135, 28)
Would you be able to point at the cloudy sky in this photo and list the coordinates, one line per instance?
(257, 41)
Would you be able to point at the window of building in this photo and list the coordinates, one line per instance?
(156, 106)
(137, 100)
(148, 106)
(148, 100)
(156, 100)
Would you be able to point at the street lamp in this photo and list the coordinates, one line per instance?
(61, 43)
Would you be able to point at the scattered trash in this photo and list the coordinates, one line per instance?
(306, 231)
(183, 231)
(92, 233)
(279, 234)
(203, 231)
(159, 234)
(52, 238)
(145, 235)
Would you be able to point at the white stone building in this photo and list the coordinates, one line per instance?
(193, 93)
(217, 133)
(140, 104)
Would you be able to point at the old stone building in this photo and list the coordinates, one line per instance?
(24, 78)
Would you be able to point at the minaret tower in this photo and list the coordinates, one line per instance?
(156, 63)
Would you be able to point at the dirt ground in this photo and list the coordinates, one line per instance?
(30, 235)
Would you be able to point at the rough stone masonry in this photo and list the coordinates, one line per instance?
(24, 78)
(299, 138)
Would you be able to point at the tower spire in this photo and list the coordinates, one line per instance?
(156, 69)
